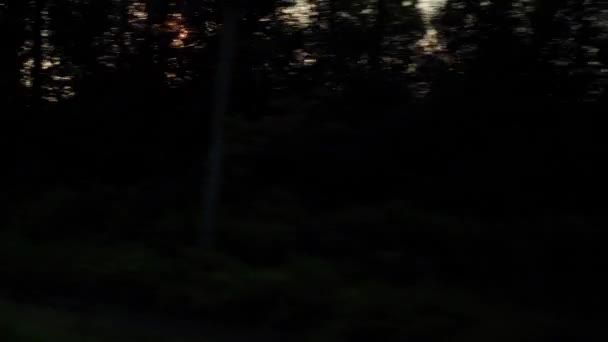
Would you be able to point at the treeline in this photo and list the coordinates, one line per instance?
(334, 105)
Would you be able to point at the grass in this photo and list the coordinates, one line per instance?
(28, 323)
(360, 274)
(313, 298)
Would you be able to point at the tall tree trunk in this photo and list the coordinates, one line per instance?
(157, 10)
(327, 18)
(11, 32)
(223, 84)
(326, 23)
(123, 27)
(37, 54)
(375, 54)
(331, 16)
(155, 48)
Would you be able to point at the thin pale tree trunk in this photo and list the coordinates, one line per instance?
(37, 54)
(215, 155)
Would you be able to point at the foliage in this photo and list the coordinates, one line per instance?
(388, 176)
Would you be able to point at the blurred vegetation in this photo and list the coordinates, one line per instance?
(415, 275)
(389, 176)
(31, 323)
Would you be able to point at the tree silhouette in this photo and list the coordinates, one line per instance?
(37, 53)
(232, 13)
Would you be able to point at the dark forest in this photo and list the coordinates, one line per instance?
(303, 170)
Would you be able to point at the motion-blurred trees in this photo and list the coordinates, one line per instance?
(341, 92)
(364, 149)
